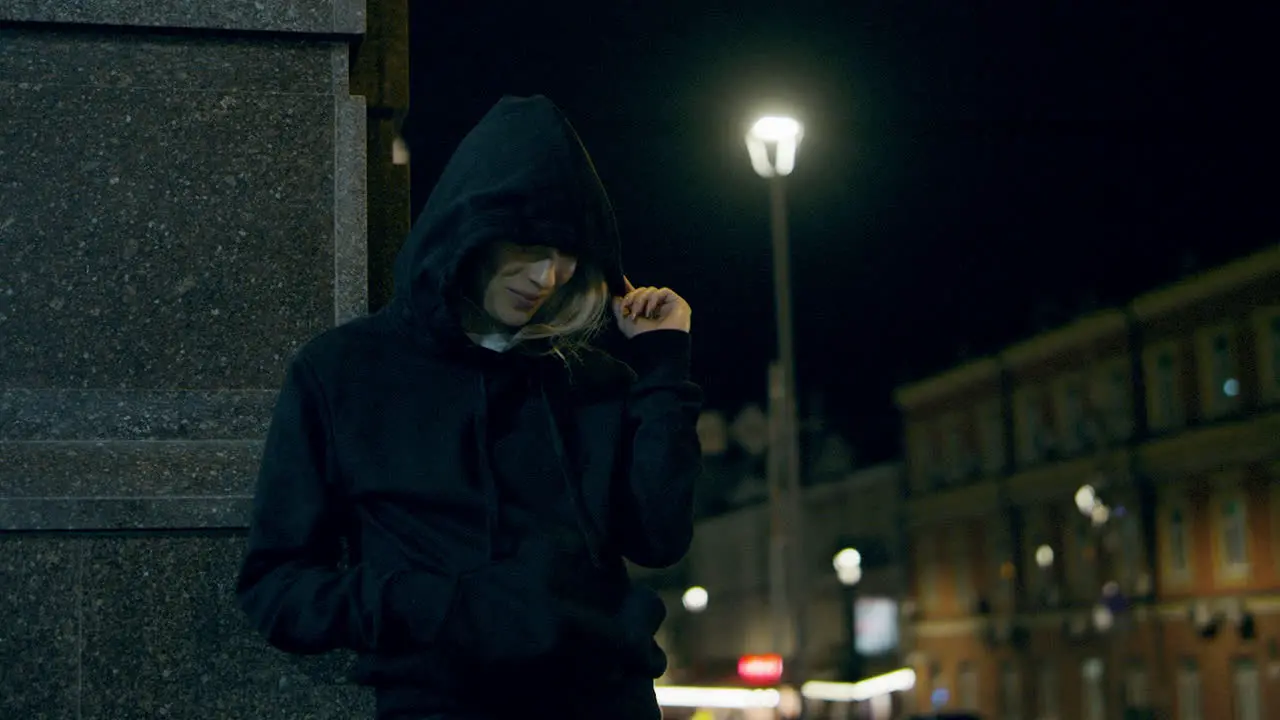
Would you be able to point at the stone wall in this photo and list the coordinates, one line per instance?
(182, 204)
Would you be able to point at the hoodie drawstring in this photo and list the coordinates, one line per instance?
(486, 467)
(489, 482)
(585, 526)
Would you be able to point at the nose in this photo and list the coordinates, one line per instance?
(543, 273)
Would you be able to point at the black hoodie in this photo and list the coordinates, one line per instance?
(377, 525)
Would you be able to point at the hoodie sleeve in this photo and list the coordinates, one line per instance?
(664, 458)
(290, 584)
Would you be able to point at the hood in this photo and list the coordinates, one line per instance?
(521, 174)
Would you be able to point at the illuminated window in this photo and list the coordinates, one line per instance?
(961, 562)
(967, 687)
(1234, 535)
(1190, 706)
(1248, 692)
(1119, 400)
(1220, 373)
(1267, 331)
(928, 573)
(1136, 691)
(1010, 692)
(1164, 401)
(1047, 693)
(1094, 697)
(1178, 543)
(1032, 433)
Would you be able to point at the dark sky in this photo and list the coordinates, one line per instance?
(971, 171)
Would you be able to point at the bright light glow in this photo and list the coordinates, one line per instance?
(760, 669)
(715, 697)
(1103, 618)
(1100, 514)
(695, 599)
(1231, 387)
(1086, 498)
(896, 681)
(849, 576)
(1044, 556)
(777, 135)
(777, 128)
(790, 703)
(399, 152)
(846, 559)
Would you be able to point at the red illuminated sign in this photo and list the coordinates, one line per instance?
(760, 669)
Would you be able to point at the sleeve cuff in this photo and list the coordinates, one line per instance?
(660, 355)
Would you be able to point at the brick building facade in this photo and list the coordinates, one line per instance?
(1157, 589)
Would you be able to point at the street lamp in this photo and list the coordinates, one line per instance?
(848, 566)
(1044, 557)
(695, 599)
(772, 142)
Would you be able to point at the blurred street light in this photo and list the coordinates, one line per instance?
(1100, 514)
(1044, 556)
(848, 567)
(772, 143)
(695, 599)
(1086, 498)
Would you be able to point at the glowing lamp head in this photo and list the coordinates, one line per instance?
(772, 143)
(695, 599)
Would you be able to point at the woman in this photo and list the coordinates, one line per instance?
(449, 486)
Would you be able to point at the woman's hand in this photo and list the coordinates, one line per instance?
(649, 308)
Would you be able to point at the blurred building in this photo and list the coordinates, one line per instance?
(729, 559)
(1094, 514)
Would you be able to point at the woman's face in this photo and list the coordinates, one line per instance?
(520, 279)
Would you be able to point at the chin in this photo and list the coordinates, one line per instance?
(513, 318)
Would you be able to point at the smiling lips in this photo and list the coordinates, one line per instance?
(524, 301)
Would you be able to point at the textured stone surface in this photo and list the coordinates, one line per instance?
(178, 647)
(299, 16)
(70, 485)
(40, 635)
(117, 628)
(81, 415)
(183, 233)
(179, 211)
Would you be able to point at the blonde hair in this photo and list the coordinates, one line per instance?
(572, 316)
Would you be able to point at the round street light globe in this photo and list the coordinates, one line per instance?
(849, 576)
(775, 128)
(1100, 514)
(847, 559)
(1044, 556)
(772, 143)
(1086, 497)
(695, 599)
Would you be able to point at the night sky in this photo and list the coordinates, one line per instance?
(972, 172)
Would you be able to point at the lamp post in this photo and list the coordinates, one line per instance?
(772, 143)
(848, 565)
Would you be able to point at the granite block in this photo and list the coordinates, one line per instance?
(168, 239)
(163, 638)
(111, 485)
(39, 637)
(151, 62)
(124, 513)
(140, 469)
(88, 415)
(294, 16)
(350, 214)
